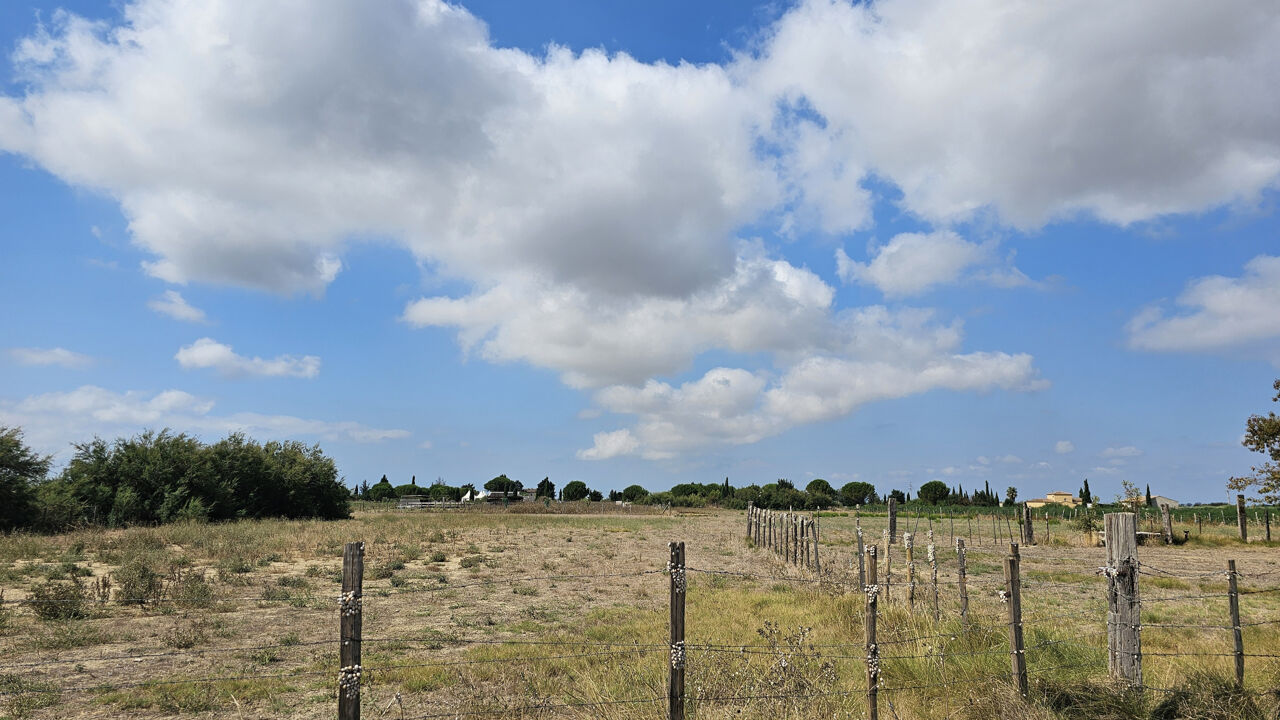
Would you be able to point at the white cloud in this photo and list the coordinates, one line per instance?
(1128, 451)
(913, 263)
(1221, 312)
(1009, 459)
(1064, 447)
(425, 445)
(591, 203)
(606, 445)
(52, 421)
(1103, 470)
(1134, 110)
(61, 357)
(209, 353)
(175, 306)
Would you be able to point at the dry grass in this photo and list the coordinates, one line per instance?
(444, 592)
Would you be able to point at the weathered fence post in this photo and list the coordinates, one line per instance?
(961, 571)
(933, 566)
(1233, 596)
(888, 566)
(795, 540)
(1198, 525)
(1124, 635)
(679, 585)
(817, 536)
(1028, 526)
(862, 561)
(872, 592)
(1266, 516)
(351, 615)
(1167, 520)
(1242, 519)
(893, 520)
(1013, 599)
(908, 542)
(750, 516)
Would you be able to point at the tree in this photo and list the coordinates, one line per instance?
(818, 486)
(785, 484)
(1149, 502)
(364, 489)
(1128, 495)
(20, 469)
(1085, 496)
(595, 496)
(1010, 495)
(934, 492)
(634, 493)
(898, 495)
(1262, 435)
(574, 491)
(858, 493)
(503, 484)
(546, 488)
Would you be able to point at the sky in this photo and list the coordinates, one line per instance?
(1020, 244)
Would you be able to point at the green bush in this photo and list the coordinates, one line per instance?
(138, 583)
(59, 600)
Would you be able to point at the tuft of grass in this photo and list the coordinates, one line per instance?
(139, 582)
(186, 634)
(23, 696)
(67, 635)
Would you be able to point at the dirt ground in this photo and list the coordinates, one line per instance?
(446, 592)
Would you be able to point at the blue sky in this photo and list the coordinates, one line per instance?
(650, 243)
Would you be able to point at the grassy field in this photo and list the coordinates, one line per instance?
(501, 612)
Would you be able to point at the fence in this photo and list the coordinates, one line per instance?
(886, 641)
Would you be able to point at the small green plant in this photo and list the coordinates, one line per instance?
(471, 561)
(184, 634)
(139, 583)
(58, 600)
(188, 589)
(524, 590)
(23, 696)
(235, 564)
(438, 556)
(292, 581)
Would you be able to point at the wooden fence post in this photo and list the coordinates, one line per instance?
(961, 571)
(817, 530)
(1124, 635)
(933, 567)
(893, 520)
(872, 592)
(1242, 519)
(1233, 596)
(351, 616)
(1266, 516)
(750, 516)
(908, 542)
(1167, 520)
(679, 585)
(888, 566)
(862, 561)
(1013, 600)
(795, 540)
(1198, 524)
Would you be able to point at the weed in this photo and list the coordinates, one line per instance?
(23, 696)
(139, 583)
(188, 589)
(186, 634)
(524, 590)
(471, 561)
(438, 556)
(58, 600)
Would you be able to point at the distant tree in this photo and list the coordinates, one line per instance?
(1086, 496)
(575, 490)
(785, 484)
(1010, 496)
(634, 493)
(1150, 503)
(20, 469)
(728, 489)
(898, 495)
(413, 480)
(614, 495)
(546, 488)
(503, 484)
(934, 492)
(381, 490)
(818, 486)
(408, 489)
(464, 491)
(595, 496)
(858, 493)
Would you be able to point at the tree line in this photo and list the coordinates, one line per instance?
(159, 477)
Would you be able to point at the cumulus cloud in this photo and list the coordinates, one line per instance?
(59, 357)
(590, 204)
(53, 420)
(209, 353)
(1064, 447)
(913, 263)
(1220, 312)
(1128, 451)
(172, 303)
(1133, 111)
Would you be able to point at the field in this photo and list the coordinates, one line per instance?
(524, 614)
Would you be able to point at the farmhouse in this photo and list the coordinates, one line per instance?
(1055, 498)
